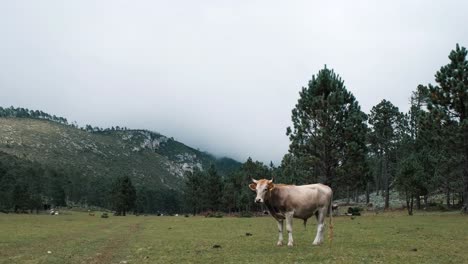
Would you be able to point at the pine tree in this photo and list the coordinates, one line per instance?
(56, 190)
(329, 131)
(193, 190)
(123, 195)
(229, 195)
(449, 98)
(386, 121)
(294, 170)
(20, 197)
(212, 189)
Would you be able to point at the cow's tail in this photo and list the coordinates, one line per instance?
(330, 234)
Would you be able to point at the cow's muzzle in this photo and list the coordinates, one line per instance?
(258, 200)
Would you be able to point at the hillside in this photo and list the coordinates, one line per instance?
(148, 158)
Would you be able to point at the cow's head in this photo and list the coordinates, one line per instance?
(261, 187)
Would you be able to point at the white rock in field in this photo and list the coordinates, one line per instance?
(49, 252)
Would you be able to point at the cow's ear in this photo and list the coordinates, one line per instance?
(271, 186)
(253, 186)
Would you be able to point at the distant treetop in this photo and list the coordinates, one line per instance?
(26, 113)
(21, 112)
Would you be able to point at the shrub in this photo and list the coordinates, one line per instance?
(104, 215)
(214, 214)
(354, 210)
(442, 207)
(245, 214)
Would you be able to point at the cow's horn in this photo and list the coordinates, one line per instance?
(271, 179)
(253, 180)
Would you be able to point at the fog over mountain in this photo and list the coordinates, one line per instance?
(220, 76)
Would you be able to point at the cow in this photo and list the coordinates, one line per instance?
(287, 201)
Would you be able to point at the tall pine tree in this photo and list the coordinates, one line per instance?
(450, 99)
(212, 189)
(329, 131)
(123, 195)
(386, 121)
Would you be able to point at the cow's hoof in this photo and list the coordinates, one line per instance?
(290, 244)
(316, 243)
(279, 244)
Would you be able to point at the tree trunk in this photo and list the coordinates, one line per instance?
(367, 194)
(418, 202)
(387, 185)
(411, 206)
(465, 195)
(347, 194)
(379, 176)
(447, 196)
(465, 165)
(408, 203)
(425, 202)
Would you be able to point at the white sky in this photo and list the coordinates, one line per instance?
(222, 76)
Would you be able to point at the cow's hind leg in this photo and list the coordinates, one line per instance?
(280, 232)
(322, 212)
(289, 220)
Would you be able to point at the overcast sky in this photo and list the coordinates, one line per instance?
(222, 76)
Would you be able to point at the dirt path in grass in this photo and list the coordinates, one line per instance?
(107, 253)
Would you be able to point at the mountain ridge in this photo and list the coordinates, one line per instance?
(147, 157)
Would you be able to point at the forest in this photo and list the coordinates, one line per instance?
(419, 153)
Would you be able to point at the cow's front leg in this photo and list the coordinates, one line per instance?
(289, 220)
(280, 232)
(320, 226)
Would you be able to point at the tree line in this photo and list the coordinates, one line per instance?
(28, 186)
(20, 112)
(419, 153)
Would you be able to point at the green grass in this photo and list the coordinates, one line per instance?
(79, 238)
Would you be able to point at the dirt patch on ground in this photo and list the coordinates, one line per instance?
(106, 253)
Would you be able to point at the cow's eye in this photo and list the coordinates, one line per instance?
(264, 190)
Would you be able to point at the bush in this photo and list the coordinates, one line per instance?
(442, 207)
(214, 214)
(104, 215)
(354, 210)
(245, 214)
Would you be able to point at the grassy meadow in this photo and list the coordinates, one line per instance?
(76, 237)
